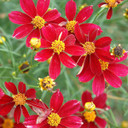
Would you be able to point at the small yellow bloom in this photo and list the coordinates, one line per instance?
(124, 124)
(2, 39)
(126, 13)
(82, 6)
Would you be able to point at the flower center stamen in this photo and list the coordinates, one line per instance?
(89, 106)
(19, 99)
(38, 22)
(58, 46)
(104, 65)
(35, 43)
(70, 26)
(111, 3)
(54, 119)
(8, 123)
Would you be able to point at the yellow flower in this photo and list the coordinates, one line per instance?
(2, 39)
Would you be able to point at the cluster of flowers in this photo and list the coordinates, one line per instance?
(70, 42)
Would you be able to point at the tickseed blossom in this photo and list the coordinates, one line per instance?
(24, 67)
(88, 110)
(19, 99)
(33, 20)
(57, 44)
(110, 4)
(126, 13)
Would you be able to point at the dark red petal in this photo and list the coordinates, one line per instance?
(56, 101)
(79, 34)
(70, 10)
(109, 14)
(103, 42)
(22, 87)
(5, 99)
(54, 68)
(11, 87)
(124, 57)
(43, 55)
(25, 112)
(84, 14)
(1, 121)
(5, 109)
(119, 69)
(93, 34)
(1, 93)
(102, 3)
(92, 125)
(98, 85)
(71, 122)
(34, 34)
(45, 44)
(100, 101)
(42, 6)
(101, 122)
(31, 93)
(70, 40)
(86, 97)
(22, 31)
(69, 108)
(112, 79)
(28, 7)
(49, 33)
(51, 15)
(79, 59)
(19, 17)
(20, 125)
(67, 60)
(17, 114)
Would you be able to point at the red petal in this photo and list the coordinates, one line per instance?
(20, 125)
(34, 34)
(92, 125)
(119, 69)
(67, 60)
(31, 120)
(54, 68)
(25, 112)
(69, 108)
(43, 55)
(75, 50)
(51, 15)
(79, 59)
(101, 122)
(56, 101)
(70, 40)
(17, 114)
(28, 7)
(109, 14)
(1, 93)
(70, 10)
(22, 31)
(22, 87)
(5, 109)
(11, 87)
(86, 97)
(84, 14)
(5, 99)
(98, 85)
(45, 44)
(49, 33)
(31, 93)
(102, 3)
(124, 57)
(71, 122)
(103, 42)
(42, 6)
(93, 34)
(19, 17)
(112, 79)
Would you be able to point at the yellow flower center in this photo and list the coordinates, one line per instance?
(89, 47)
(58, 46)
(89, 106)
(38, 22)
(19, 99)
(104, 65)
(89, 116)
(54, 119)
(70, 26)
(111, 3)
(8, 123)
(46, 83)
(35, 43)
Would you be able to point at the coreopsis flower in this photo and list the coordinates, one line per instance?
(59, 115)
(24, 67)
(57, 44)
(126, 13)
(110, 4)
(17, 101)
(33, 20)
(88, 112)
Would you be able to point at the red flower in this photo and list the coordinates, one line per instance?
(57, 44)
(88, 113)
(110, 4)
(60, 116)
(18, 99)
(34, 20)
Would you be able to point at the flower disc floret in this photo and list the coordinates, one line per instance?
(111, 3)
(38, 22)
(89, 106)
(70, 26)
(19, 99)
(54, 119)
(58, 46)
(8, 123)
(104, 65)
